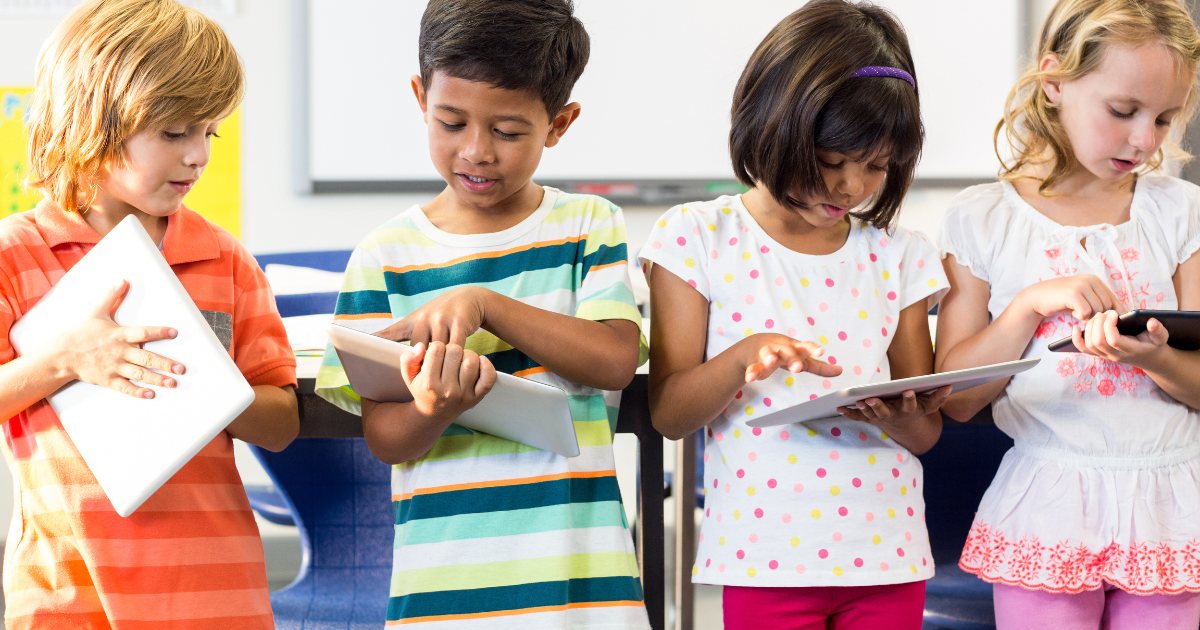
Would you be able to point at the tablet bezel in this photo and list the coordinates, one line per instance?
(1185, 324)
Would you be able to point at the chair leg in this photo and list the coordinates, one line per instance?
(650, 535)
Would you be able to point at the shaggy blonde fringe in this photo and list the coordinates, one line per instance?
(113, 68)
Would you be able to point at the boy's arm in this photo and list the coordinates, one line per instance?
(601, 354)
(272, 421)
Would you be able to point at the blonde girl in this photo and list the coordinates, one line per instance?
(128, 97)
(1092, 518)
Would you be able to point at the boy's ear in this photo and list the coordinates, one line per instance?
(1053, 89)
(560, 123)
(418, 88)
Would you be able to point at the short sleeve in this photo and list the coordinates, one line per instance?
(363, 298)
(605, 291)
(676, 243)
(922, 273)
(1191, 231)
(7, 319)
(260, 345)
(962, 234)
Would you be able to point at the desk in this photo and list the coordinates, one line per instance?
(320, 419)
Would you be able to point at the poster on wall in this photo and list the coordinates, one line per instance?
(217, 196)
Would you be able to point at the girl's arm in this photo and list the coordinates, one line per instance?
(914, 421)
(687, 392)
(98, 351)
(966, 339)
(1177, 372)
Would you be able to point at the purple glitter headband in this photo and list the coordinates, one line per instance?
(884, 71)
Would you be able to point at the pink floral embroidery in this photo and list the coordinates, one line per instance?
(1046, 330)
(1129, 254)
(1066, 367)
(1053, 254)
(1106, 387)
(1083, 386)
(1140, 567)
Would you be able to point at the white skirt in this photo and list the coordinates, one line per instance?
(1067, 523)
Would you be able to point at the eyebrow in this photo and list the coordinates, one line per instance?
(1133, 101)
(516, 119)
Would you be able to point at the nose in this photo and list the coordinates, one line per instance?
(477, 147)
(199, 151)
(1144, 137)
(850, 182)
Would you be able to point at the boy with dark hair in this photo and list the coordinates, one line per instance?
(498, 273)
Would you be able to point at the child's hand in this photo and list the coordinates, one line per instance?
(449, 318)
(780, 351)
(1100, 338)
(446, 380)
(1084, 295)
(100, 352)
(910, 407)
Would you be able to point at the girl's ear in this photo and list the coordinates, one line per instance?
(418, 88)
(560, 123)
(1053, 89)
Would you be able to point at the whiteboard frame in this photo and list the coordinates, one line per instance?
(633, 190)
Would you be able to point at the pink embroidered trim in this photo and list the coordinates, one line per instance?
(1141, 568)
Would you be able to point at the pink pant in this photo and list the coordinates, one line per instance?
(895, 607)
(1108, 609)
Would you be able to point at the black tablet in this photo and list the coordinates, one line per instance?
(1182, 326)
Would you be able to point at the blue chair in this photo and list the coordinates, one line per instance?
(307, 303)
(342, 498)
(958, 470)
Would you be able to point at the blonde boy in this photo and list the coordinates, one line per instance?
(129, 94)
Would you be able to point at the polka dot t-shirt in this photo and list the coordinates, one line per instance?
(829, 502)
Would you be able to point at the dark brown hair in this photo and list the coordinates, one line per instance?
(536, 46)
(796, 97)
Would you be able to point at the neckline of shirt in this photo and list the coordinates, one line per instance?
(487, 239)
(841, 254)
(1139, 193)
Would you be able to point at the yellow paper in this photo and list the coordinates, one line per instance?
(217, 196)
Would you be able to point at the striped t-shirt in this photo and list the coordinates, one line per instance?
(491, 533)
(190, 556)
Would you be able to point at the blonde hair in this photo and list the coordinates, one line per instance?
(1077, 33)
(112, 69)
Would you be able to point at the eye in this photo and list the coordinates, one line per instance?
(171, 135)
(1122, 114)
(1162, 123)
(507, 136)
(879, 168)
(827, 165)
(451, 126)
(212, 134)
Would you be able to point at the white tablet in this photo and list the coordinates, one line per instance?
(516, 409)
(826, 406)
(134, 445)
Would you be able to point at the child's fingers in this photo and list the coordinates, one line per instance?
(1109, 332)
(129, 389)
(852, 413)
(487, 377)
(468, 372)
(881, 409)
(147, 359)
(1156, 333)
(410, 362)
(1077, 338)
(821, 368)
(137, 335)
(908, 403)
(431, 367)
(451, 365)
(111, 301)
(400, 331)
(933, 401)
(459, 333)
(142, 375)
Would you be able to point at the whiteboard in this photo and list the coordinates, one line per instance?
(656, 93)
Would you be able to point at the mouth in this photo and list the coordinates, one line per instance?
(475, 184)
(835, 212)
(1125, 165)
(183, 186)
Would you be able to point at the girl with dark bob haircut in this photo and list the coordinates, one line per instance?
(783, 294)
(797, 96)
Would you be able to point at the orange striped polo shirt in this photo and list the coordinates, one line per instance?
(190, 556)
